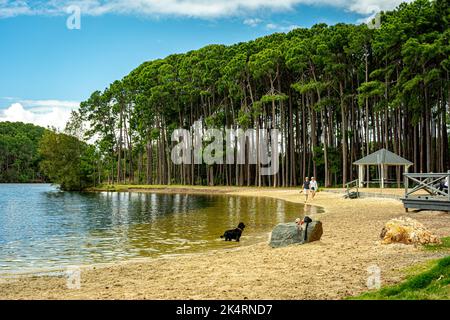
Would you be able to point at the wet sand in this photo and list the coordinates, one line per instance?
(333, 268)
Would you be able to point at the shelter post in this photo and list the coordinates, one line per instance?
(360, 175)
(405, 181)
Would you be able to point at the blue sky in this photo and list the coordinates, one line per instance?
(47, 69)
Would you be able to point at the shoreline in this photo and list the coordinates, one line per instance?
(336, 265)
(186, 189)
(61, 271)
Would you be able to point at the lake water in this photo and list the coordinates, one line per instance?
(42, 228)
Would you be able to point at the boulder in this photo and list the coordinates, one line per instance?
(314, 232)
(408, 231)
(285, 234)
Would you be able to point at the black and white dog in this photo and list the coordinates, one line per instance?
(234, 233)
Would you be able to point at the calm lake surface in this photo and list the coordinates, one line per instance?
(42, 228)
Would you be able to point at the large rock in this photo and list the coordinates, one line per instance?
(285, 234)
(408, 231)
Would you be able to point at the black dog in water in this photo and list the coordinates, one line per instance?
(234, 233)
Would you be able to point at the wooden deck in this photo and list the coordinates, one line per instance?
(437, 198)
(426, 203)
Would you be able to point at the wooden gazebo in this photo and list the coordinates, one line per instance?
(381, 158)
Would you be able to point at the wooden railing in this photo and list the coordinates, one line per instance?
(378, 182)
(426, 182)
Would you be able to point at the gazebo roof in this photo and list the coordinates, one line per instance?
(383, 156)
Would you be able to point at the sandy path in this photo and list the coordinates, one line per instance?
(332, 268)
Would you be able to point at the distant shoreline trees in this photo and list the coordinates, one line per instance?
(32, 154)
(67, 161)
(19, 158)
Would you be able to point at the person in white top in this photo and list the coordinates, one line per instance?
(443, 186)
(313, 186)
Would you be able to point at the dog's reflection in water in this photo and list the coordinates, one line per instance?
(234, 233)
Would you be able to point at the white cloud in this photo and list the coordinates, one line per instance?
(44, 113)
(253, 22)
(368, 19)
(50, 103)
(186, 8)
(14, 8)
(281, 28)
(374, 6)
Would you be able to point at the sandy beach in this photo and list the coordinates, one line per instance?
(333, 268)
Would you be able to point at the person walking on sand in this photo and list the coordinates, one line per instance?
(306, 188)
(313, 186)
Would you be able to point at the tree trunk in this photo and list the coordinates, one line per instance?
(344, 135)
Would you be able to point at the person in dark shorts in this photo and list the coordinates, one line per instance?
(306, 188)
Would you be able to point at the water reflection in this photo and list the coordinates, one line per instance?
(41, 227)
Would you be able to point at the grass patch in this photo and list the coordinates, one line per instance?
(431, 283)
(444, 246)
